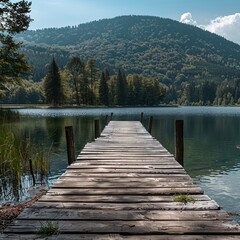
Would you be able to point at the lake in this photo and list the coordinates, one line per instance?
(211, 138)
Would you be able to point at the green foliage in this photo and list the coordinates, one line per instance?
(160, 48)
(14, 19)
(204, 92)
(49, 228)
(103, 90)
(68, 91)
(16, 151)
(196, 66)
(53, 85)
(28, 92)
(144, 91)
(77, 68)
(77, 87)
(183, 198)
(92, 71)
(120, 89)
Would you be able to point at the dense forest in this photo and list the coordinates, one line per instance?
(82, 83)
(193, 66)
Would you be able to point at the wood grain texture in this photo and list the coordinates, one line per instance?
(118, 237)
(131, 227)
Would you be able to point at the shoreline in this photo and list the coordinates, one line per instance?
(9, 212)
(44, 106)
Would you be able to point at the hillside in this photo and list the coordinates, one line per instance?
(165, 49)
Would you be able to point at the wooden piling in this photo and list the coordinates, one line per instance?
(106, 120)
(150, 124)
(141, 119)
(179, 145)
(111, 116)
(70, 144)
(96, 128)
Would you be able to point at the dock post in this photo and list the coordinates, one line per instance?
(70, 144)
(106, 120)
(150, 124)
(141, 119)
(179, 144)
(96, 128)
(111, 116)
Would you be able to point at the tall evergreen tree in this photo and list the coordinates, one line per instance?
(130, 98)
(106, 73)
(53, 85)
(112, 90)
(103, 90)
(120, 89)
(138, 91)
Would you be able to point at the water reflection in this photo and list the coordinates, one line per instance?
(210, 132)
(55, 127)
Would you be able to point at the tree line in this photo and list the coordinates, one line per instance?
(83, 83)
(205, 92)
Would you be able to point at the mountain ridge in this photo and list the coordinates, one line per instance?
(119, 17)
(163, 48)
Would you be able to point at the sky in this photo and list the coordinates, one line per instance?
(218, 16)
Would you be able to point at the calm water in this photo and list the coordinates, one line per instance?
(211, 135)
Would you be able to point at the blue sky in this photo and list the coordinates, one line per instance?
(60, 13)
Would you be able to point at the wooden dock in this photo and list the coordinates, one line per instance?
(123, 186)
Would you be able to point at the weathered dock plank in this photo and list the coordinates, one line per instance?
(201, 205)
(125, 191)
(121, 237)
(116, 198)
(123, 186)
(108, 215)
(131, 227)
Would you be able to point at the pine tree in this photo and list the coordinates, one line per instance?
(138, 90)
(120, 89)
(53, 85)
(130, 99)
(106, 74)
(103, 90)
(112, 90)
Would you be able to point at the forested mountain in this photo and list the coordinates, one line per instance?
(178, 55)
(163, 48)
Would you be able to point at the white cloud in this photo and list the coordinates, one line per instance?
(187, 18)
(226, 26)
